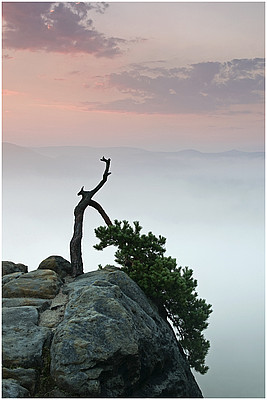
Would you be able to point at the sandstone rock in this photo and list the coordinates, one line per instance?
(11, 388)
(8, 267)
(58, 264)
(94, 336)
(113, 343)
(44, 284)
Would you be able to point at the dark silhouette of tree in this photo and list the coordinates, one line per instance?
(76, 241)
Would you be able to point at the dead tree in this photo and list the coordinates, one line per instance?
(76, 241)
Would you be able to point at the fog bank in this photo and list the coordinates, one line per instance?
(210, 207)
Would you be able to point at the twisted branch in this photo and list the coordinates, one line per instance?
(75, 243)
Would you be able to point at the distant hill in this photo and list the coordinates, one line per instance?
(83, 160)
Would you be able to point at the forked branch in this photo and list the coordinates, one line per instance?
(75, 243)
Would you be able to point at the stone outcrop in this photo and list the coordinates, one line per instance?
(8, 267)
(93, 336)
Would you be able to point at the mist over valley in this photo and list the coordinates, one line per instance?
(209, 206)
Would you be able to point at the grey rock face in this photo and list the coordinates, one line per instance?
(58, 264)
(23, 340)
(95, 336)
(113, 343)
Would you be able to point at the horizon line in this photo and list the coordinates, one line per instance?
(231, 150)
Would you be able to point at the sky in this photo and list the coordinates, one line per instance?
(158, 76)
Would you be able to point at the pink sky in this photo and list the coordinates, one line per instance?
(159, 76)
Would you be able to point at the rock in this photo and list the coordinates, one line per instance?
(11, 389)
(22, 340)
(39, 304)
(58, 264)
(93, 336)
(26, 315)
(54, 315)
(10, 277)
(113, 343)
(8, 267)
(26, 377)
(43, 283)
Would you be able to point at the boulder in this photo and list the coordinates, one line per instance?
(26, 377)
(8, 267)
(96, 335)
(58, 264)
(43, 283)
(113, 343)
(12, 389)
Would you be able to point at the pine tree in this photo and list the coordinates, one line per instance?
(172, 288)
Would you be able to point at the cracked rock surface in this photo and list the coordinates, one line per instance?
(93, 336)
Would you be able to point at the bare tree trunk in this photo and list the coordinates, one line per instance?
(76, 241)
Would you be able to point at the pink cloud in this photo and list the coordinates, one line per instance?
(197, 88)
(56, 27)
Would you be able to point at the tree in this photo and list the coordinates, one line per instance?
(172, 288)
(76, 241)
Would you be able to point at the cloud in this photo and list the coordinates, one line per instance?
(202, 87)
(56, 27)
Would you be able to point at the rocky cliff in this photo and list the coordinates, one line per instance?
(93, 336)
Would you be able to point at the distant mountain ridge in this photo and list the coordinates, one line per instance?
(81, 163)
(53, 151)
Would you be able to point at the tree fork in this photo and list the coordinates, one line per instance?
(76, 241)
